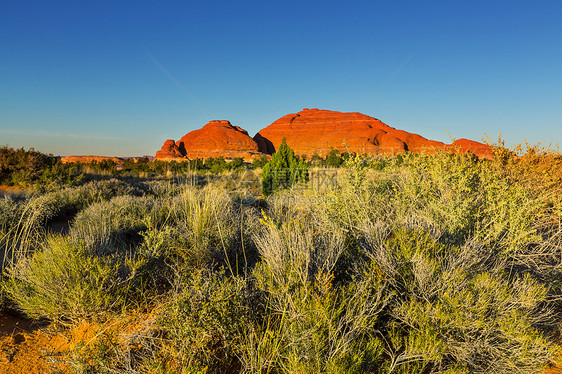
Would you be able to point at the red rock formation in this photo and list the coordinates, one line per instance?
(170, 150)
(319, 131)
(88, 159)
(479, 149)
(308, 132)
(216, 138)
(389, 144)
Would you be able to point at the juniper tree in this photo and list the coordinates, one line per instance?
(283, 170)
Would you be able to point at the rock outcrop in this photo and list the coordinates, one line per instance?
(315, 131)
(216, 138)
(170, 151)
(319, 131)
(308, 132)
(479, 149)
(88, 159)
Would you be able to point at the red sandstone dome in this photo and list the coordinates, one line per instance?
(216, 138)
(319, 131)
(308, 132)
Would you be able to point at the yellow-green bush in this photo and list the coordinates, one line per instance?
(64, 282)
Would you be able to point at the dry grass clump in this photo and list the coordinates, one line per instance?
(63, 282)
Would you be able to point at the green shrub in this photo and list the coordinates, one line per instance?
(216, 165)
(24, 223)
(197, 331)
(204, 323)
(18, 166)
(333, 159)
(283, 170)
(320, 326)
(422, 224)
(63, 281)
(115, 225)
(260, 162)
(32, 168)
(453, 311)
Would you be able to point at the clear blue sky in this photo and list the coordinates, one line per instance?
(76, 77)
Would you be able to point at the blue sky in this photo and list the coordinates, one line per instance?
(76, 77)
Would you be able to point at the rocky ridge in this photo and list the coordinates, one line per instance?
(88, 159)
(309, 132)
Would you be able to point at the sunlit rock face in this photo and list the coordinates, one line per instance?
(309, 132)
(315, 131)
(216, 138)
(89, 159)
(479, 149)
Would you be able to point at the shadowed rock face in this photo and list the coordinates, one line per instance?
(319, 131)
(308, 132)
(216, 138)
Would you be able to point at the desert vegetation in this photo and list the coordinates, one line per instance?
(407, 264)
(34, 170)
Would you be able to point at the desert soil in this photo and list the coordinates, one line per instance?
(27, 347)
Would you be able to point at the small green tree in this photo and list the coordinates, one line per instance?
(283, 170)
(216, 165)
(236, 164)
(260, 162)
(316, 160)
(334, 160)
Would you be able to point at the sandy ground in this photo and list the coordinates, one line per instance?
(553, 370)
(26, 347)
